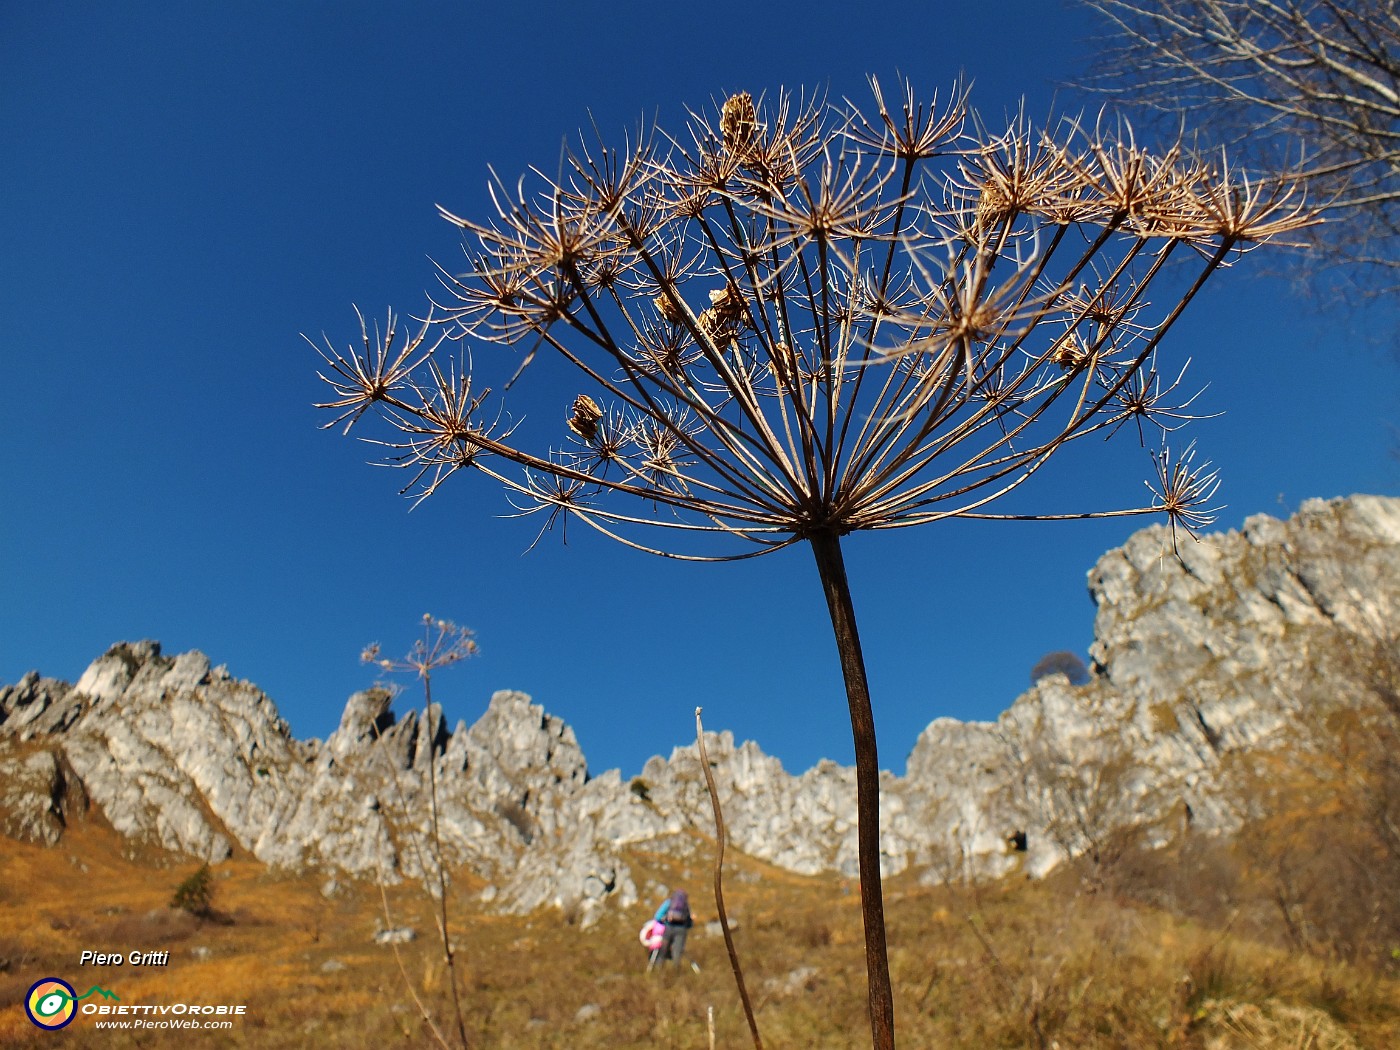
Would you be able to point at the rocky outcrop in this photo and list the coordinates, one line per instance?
(39, 794)
(1194, 659)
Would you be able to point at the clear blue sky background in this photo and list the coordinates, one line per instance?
(186, 187)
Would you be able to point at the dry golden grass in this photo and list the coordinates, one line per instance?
(1010, 964)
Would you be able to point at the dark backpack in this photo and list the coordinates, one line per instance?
(679, 914)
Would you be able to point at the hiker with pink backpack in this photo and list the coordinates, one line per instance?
(664, 935)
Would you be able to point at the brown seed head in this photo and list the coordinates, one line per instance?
(711, 324)
(725, 316)
(586, 414)
(738, 122)
(669, 309)
(1071, 354)
(993, 206)
(728, 304)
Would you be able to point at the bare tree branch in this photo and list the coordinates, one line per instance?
(1311, 86)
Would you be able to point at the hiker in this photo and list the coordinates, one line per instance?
(674, 913)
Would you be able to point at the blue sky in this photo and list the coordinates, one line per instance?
(187, 187)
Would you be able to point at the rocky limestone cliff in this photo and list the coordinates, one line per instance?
(1194, 659)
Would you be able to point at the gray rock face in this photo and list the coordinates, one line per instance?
(1193, 659)
(39, 794)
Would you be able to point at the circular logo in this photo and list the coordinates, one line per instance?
(50, 1003)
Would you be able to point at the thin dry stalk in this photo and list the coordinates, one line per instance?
(449, 954)
(443, 644)
(406, 810)
(440, 917)
(720, 839)
(423, 1010)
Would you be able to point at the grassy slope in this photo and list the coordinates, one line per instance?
(1013, 964)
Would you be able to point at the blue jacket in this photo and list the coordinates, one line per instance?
(665, 910)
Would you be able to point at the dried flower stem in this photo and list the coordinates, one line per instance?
(720, 838)
(423, 1010)
(826, 546)
(449, 954)
(443, 643)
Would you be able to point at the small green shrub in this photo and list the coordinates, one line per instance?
(196, 894)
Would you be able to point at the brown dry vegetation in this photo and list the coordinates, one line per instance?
(1008, 964)
(1283, 937)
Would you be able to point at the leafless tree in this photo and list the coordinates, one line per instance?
(1064, 662)
(1091, 803)
(796, 321)
(1311, 85)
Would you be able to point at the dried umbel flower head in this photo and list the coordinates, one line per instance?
(994, 206)
(1072, 354)
(584, 419)
(728, 304)
(907, 320)
(721, 322)
(908, 316)
(669, 309)
(442, 644)
(738, 122)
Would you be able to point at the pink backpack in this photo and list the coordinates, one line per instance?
(651, 935)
